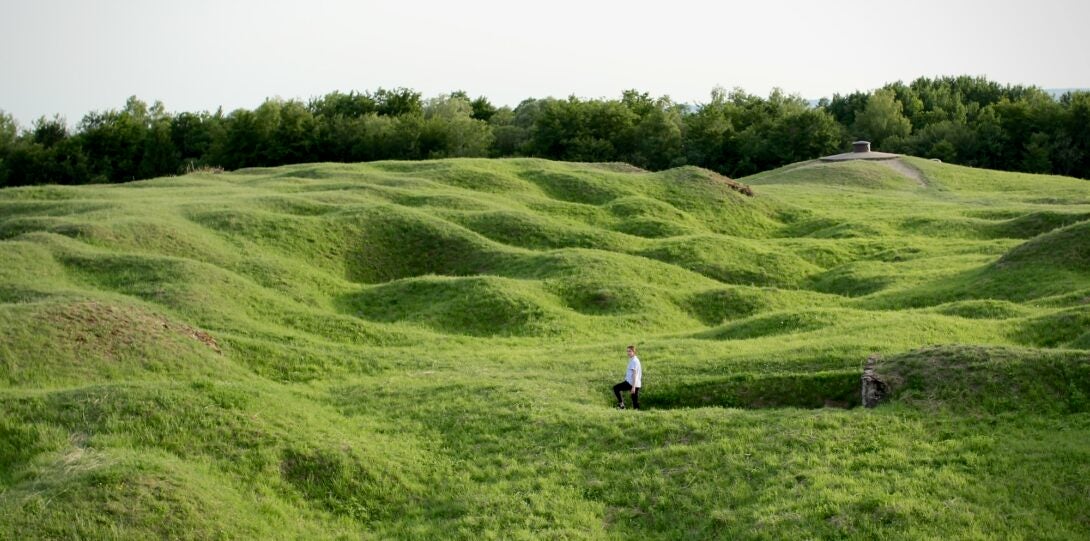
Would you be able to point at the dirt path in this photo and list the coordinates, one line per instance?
(907, 170)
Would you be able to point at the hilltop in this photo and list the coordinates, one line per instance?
(424, 350)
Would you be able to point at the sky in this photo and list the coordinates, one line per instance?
(70, 57)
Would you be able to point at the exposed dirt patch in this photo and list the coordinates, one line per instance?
(207, 340)
(733, 184)
(617, 167)
(906, 170)
(110, 328)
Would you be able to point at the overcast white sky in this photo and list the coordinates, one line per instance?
(75, 56)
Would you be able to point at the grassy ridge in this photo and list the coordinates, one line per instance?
(424, 350)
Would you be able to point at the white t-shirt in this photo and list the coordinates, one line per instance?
(634, 373)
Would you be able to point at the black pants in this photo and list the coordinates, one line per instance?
(626, 386)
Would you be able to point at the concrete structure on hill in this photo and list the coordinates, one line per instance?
(860, 151)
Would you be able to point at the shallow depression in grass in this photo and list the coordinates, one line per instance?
(839, 389)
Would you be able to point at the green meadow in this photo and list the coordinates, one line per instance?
(425, 350)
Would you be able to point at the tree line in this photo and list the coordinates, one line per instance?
(964, 120)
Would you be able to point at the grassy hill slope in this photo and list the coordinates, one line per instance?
(424, 350)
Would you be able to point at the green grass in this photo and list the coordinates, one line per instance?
(424, 350)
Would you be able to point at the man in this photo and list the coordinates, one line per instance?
(633, 380)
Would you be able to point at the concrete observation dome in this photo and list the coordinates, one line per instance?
(860, 151)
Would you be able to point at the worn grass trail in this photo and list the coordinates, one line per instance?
(425, 350)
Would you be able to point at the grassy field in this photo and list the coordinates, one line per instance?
(425, 351)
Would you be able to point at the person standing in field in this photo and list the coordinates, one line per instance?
(633, 380)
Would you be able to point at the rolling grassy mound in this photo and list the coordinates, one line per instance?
(425, 350)
(992, 379)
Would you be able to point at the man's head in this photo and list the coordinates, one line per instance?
(631, 351)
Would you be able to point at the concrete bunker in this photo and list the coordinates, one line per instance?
(860, 151)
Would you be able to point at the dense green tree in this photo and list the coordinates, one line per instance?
(906, 95)
(845, 107)
(397, 102)
(336, 104)
(28, 162)
(160, 157)
(1037, 156)
(114, 141)
(242, 141)
(655, 138)
(507, 137)
(483, 109)
(804, 135)
(989, 140)
(450, 129)
(1021, 121)
(195, 135)
(384, 137)
(9, 130)
(294, 136)
(737, 133)
(48, 132)
(511, 128)
(657, 142)
(1076, 124)
(942, 101)
(880, 119)
(576, 130)
(948, 141)
(709, 133)
(967, 120)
